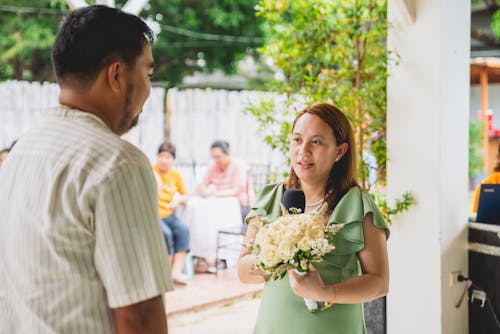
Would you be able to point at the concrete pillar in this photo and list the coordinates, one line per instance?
(428, 101)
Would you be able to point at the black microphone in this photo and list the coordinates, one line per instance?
(294, 198)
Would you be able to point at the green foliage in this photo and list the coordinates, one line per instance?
(329, 51)
(179, 53)
(400, 205)
(26, 38)
(28, 29)
(476, 165)
(495, 24)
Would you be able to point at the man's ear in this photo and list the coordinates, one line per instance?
(114, 75)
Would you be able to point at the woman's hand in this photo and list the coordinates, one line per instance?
(247, 261)
(309, 286)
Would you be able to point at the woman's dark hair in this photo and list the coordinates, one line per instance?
(92, 37)
(497, 167)
(167, 147)
(343, 173)
(222, 144)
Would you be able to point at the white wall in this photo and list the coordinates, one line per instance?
(428, 111)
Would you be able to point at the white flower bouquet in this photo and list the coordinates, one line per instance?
(293, 241)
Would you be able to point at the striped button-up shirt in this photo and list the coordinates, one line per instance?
(79, 231)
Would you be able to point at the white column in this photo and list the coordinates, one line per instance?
(428, 101)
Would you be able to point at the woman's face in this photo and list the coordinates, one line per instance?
(165, 161)
(221, 159)
(313, 149)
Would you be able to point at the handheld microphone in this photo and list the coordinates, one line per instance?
(294, 198)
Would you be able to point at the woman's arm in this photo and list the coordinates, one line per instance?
(247, 261)
(372, 284)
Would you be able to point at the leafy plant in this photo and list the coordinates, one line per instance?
(400, 205)
(476, 165)
(329, 51)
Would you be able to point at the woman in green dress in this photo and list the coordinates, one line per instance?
(323, 165)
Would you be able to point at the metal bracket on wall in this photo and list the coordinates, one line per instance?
(479, 295)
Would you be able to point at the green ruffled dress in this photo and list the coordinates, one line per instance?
(281, 311)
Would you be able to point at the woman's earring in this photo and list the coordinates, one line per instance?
(336, 159)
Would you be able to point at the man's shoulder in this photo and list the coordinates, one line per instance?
(121, 154)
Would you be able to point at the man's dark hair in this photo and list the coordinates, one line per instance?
(167, 147)
(222, 144)
(92, 37)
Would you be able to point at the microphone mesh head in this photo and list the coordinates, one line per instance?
(294, 198)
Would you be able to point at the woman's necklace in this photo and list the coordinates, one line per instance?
(311, 205)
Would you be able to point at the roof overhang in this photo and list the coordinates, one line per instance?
(489, 64)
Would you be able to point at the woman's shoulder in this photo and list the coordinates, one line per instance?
(273, 188)
(356, 196)
(267, 202)
(494, 178)
(175, 172)
(353, 208)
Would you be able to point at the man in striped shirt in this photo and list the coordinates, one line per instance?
(80, 245)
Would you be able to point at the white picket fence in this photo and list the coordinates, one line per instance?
(23, 103)
(197, 118)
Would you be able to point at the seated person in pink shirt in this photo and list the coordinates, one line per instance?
(227, 176)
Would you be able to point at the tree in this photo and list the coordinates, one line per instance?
(330, 51)
(202, 35)
(194, 36)
(27, 30)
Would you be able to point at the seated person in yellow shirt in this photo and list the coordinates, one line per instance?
(494, 178)
(171, 193)
(3, 155)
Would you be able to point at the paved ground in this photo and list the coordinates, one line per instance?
(234, 318)
(213, 304)
(209, 290)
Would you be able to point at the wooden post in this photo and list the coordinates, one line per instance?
(483, 80)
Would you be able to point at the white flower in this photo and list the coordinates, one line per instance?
(279, 244)
(269, 256)
(286, 250)
(304, 244)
